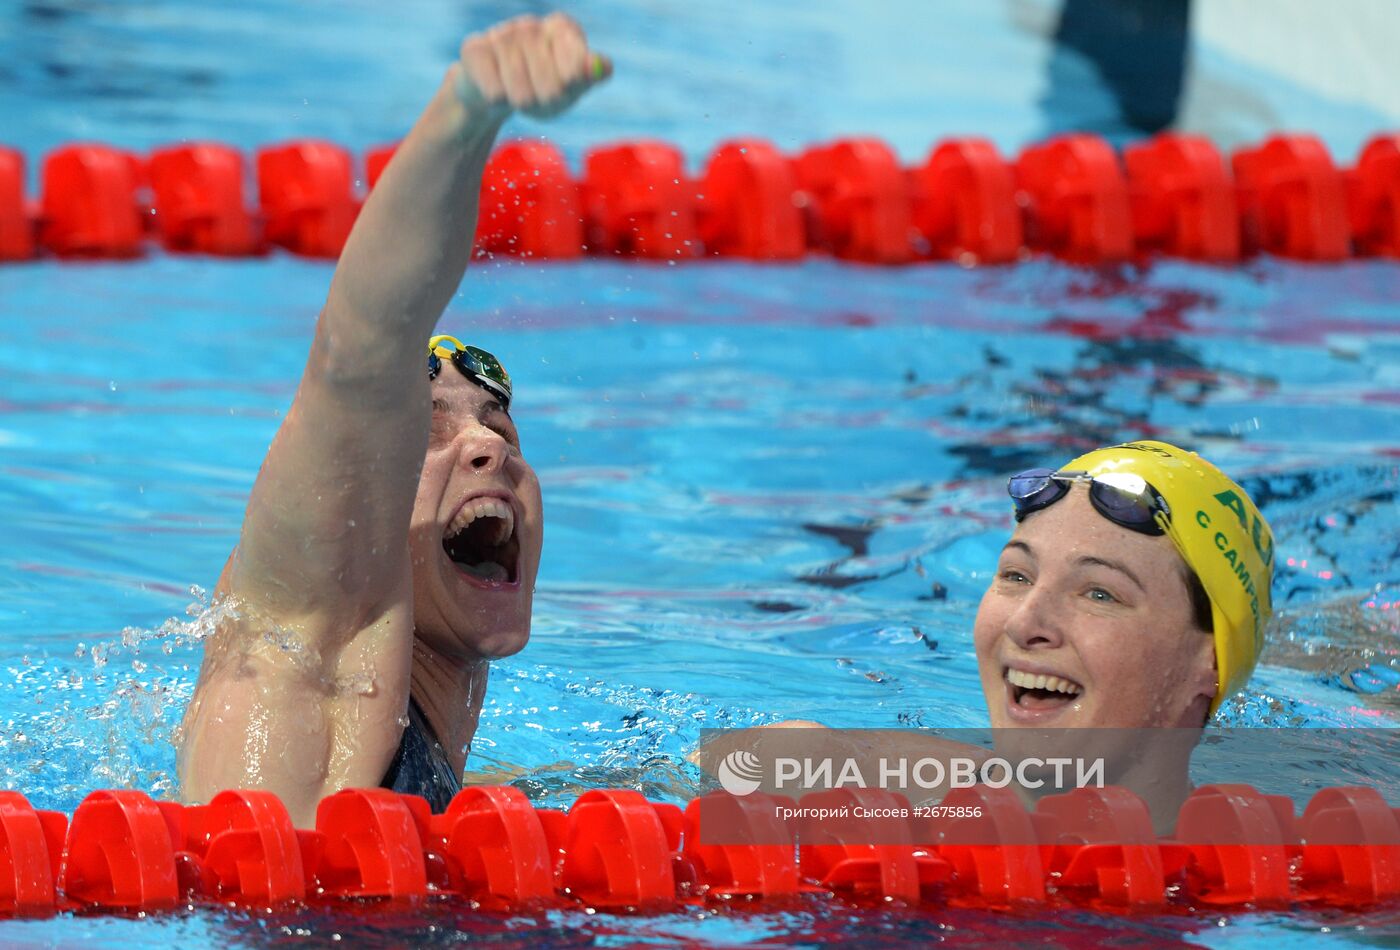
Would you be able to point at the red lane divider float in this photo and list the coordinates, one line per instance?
(501, 849)
(120, 855)
(760, 861)
(1235, 846)
(639, 203)
(1337, 866)
(1293, 199)
(1072, 196)
(530, 207)
(1373, 192)
(858, 201)
(306, 196)
(747, 204)
(197, 196)
(16, 233)
(1078, 198)
(242, 847)
(996, 854)
(1183, 201)
(374, 844)
(617, 851)
(33, 847)
(964, 204)
(867, 858)
(1104, 847)
(90, 205)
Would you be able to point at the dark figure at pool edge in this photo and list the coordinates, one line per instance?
(391, 541)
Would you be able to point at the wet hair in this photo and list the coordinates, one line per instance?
(1201, 613)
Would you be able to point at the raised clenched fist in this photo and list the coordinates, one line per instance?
(535, 65)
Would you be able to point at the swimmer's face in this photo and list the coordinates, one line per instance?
(1103, 609)
(477, 527)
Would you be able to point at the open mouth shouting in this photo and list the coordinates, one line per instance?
(1036, 695)
(482, 544)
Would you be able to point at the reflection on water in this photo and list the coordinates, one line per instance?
(813, 920)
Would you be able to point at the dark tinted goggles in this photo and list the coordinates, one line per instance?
(472, 362)
(1121, 497)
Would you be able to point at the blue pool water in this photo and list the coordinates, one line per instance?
(771, 491)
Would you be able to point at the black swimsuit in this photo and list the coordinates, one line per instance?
(420, 767)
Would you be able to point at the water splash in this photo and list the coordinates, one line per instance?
(106, 717)
(206, 617)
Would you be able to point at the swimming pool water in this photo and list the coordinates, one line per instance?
(771, 491)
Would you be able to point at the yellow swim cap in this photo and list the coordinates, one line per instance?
(1219, 534)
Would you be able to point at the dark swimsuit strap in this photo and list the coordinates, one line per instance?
(420, 765)
(391, 776)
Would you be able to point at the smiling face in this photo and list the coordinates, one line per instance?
(477, 527)
(1088, 624)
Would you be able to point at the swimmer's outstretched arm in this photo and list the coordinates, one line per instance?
(304, 692)
(343, 469)
(411, 244)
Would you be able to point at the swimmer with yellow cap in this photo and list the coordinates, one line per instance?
(1131, 601)
(1128, 605)
(1120, 560)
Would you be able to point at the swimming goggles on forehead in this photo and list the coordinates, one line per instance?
(1122, 497)
(472, 362)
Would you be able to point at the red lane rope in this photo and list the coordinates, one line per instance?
(614, 850)
(1072, 196)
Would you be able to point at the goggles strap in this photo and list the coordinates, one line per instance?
(474, 363)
